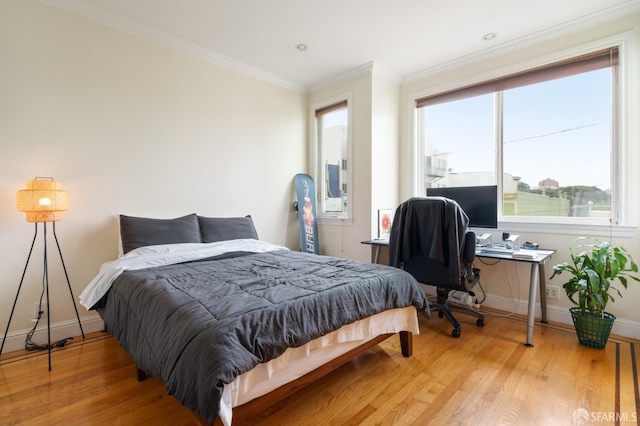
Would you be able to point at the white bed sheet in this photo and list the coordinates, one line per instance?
(296, 362)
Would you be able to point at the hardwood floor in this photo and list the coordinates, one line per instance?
(486, 377)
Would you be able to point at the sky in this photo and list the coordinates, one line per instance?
(559, 129)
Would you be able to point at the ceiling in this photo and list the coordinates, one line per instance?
(402, 37)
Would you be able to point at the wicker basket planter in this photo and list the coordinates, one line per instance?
(592, 332)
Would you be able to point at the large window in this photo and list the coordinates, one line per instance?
(547, 137)
(331, 158)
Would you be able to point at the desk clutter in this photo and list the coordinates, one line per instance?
(524, 254)
(509, 242)
(510, 245)
(505, 253)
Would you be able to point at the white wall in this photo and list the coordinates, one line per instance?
(384, 148)
(128, 126)
(507, 281)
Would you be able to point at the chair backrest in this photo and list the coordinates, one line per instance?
(435, 272)
(429, 239)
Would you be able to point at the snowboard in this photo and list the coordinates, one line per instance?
(306, 194)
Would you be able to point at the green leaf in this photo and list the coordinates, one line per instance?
(623, 280)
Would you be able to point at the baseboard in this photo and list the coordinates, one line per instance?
(558, 314)
(60, 330)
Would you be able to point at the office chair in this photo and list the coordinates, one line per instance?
(429, 239)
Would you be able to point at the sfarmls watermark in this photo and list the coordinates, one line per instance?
(583, 417)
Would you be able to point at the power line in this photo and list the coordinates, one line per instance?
(442, 153)
(556, 132)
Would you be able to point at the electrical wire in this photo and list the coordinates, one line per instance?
(509, 281)
(487, 263)
(484, 294)
(513, 296)
(473, 294)
(29, 344)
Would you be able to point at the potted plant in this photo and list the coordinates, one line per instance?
(593, 272)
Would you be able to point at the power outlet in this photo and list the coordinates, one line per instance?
(552, 292)
(37, 307)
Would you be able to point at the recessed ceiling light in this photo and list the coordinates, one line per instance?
(301, 47)
(490, 36)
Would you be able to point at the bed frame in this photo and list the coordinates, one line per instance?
(259, 408)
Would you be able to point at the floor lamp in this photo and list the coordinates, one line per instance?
(43, 201)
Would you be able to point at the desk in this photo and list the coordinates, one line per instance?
(537, 277)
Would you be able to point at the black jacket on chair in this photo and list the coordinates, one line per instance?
(433, 227)
(429, 239)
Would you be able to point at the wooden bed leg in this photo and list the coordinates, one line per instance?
(141, 375)
(406, 343)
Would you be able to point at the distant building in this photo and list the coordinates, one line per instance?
(549, 183)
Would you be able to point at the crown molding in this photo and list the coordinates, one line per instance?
(365, 69)
(118, 22)
(575, 25)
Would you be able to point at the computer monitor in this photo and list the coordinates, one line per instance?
(480, 203)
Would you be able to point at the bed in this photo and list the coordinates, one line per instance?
(223, 318)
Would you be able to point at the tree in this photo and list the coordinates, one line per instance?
(523, 186)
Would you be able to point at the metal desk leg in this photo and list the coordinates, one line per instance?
(533, 283)
(376, 257)
(543, 294)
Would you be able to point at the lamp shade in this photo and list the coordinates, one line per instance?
(43, 200)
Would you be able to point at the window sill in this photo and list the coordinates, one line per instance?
(335, 221)
(580, 229)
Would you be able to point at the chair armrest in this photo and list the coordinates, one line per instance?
(469, 249)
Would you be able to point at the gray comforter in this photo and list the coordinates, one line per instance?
(198, 325)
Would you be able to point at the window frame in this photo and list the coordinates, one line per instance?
(316, 158)
(623, 137)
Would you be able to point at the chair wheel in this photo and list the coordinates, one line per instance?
(455, 333)
(440, 314)
(480, 322)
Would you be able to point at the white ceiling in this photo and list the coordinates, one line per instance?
(403, 37)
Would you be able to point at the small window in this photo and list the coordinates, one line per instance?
(332, 158)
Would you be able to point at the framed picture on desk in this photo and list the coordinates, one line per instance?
(385, 220)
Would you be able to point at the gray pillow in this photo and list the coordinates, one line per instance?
(140, 231)
(215, 229)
